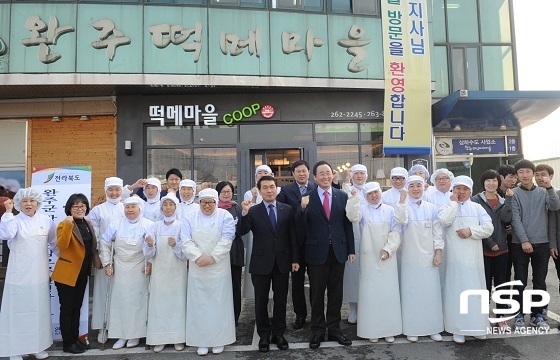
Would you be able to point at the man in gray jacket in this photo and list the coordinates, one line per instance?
(530, 242)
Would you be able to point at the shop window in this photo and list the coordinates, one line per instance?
(220, 134)
(379, 166)
(168, 135)
(441, 75)
(340, 157)
(241, 3)
(495, 21)
(372, 132)
(462, 21)
(358, 7)
(465, 67)
(498, 68)
(276, 133)
(212, 165)
(438, 21)
(308, 5)
(181, 2)
(336, 132)
(159, 161)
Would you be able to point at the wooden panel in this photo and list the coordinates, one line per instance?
(72, 142)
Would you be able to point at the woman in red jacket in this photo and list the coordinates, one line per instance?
(78, 249)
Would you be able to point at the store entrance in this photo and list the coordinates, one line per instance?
(279, 158)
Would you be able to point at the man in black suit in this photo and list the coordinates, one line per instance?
(329, 241)
(291, 195)
(275, 253)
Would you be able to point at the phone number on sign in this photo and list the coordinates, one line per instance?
(356, 114)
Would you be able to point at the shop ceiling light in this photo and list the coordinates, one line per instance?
(56, 119)
(84, 118)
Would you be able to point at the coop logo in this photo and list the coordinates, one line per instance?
(49, 178)
(503, 297)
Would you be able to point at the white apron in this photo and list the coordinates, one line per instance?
(351, 282)
(168, 296)
(127, 313)
(422, 312)
(210, 319)
(463, 256)
(379, 312)
(25, 317)
(106, 214)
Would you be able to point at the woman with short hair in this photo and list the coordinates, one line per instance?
(25, 315)
(78, 250)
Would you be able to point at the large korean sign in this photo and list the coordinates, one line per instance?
(136, 39)
(406, 58)
(56, 185)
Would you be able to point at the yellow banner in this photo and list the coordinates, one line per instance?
(406, 59)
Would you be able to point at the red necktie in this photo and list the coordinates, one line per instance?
(326, 205)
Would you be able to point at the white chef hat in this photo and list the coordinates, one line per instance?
(358, 168)
(371, 186)
(169, 196)
(414, 178)
(154, 181)
(263, 167)
(113, 181)
(25, 194)
(136, 200)
(419, 167)
(187, 183)
(208, 194)
(444, 171)
(463, 180)
(399, 171)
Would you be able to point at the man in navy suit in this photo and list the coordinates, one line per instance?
(275, 253)
(329, 241)
(291, 195)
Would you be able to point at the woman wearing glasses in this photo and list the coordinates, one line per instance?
(78, 250)
(207, 236)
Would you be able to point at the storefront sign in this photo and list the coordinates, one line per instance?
(408, 128)
(246, 112)
(56, 185)
(513, 145)
(483, 145)
(179, 113)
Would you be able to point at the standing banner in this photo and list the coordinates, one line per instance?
(406, 60)
(56, 185)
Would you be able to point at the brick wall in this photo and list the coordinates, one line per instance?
(72, 142)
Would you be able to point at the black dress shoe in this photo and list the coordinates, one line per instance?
(341, 339)
(315, 341)
(73, 349)
(298, 324)
(264, 345)
(280, 341)
(83, 344)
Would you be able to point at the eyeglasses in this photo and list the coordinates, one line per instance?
(79, 207)
(398, 178)
(442, 179)
(207, 203)
(226, 192)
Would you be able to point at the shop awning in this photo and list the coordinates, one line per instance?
(492, 110)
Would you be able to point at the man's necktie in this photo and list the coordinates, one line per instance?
(272, 216)
(326, 205)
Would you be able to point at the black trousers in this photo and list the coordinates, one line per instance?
(327, 277)
(261, 283)
(298, 287)
(70, 298)
(236, 284)
(495, 272)
(539, 263)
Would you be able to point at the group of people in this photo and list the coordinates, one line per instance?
(170, 269)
